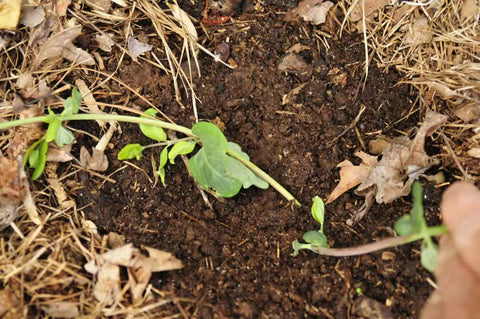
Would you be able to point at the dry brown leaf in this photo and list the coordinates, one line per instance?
(468, 112)
(32, 16)
(139, 268)
(419, 32)
(367, 6)
(41, 33)
(59, 155)
(62, 309)
(98, 161)
(297, 48)
(314, 11)
(9, 14)
(28, 89)
(107, 289)
(351, 176)
(442, 90)
(60, 46)
(293, 63)
(9, 304)
(104, 42)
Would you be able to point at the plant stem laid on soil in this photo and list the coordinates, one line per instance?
(379, 245)
(169, 126)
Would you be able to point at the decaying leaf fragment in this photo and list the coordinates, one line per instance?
(366, 7)
(62, 309)
(403, 161)
(60, 45)
(314, 11)
(351, 176)
(139, 267)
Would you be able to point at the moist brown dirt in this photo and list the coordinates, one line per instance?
(237, 256)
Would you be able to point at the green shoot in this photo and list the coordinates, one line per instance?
(314, 238)
(415, 223)
(36, 155)
(411, 227)
(218, 165)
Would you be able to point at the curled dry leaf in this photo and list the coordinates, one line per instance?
(314, 11)
(62, 309)
(403, 161)
(31, 16)
(104, 42)
(9, 14)
(60, 45)
(89, 100)
(57, 186)
(351, 176)
(59, 155)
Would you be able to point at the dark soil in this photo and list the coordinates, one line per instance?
(237, 256)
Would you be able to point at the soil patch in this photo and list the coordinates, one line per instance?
(237, 256)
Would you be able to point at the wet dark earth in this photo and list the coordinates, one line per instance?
(237, 255)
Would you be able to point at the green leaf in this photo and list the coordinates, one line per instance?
(72, 103)
(131, 151)
(180, 148)
(64, 136)
(154, 132)
(41, 160)
(209, 168)
(210, 135)
(318, 211)
(428, 257)
(161, 165)
(316, 238)
(404, 226)
(53, 125)
(237, 149)
(28, 153)
(244, 174)
(33, 158)
(418, 221)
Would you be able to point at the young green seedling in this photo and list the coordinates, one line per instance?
(36, 155)
(411, 227)
(218, 165)
(313, 238)
(414, 223)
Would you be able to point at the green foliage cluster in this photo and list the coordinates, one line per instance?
(36, 155)
(313, 238)
(212, 166)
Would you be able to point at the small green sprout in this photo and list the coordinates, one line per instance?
(313, 238)
(411, 227)
(414, 223)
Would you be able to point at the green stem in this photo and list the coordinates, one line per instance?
(267, 178)
(153, 122)
(102, 117)
(379, 245)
